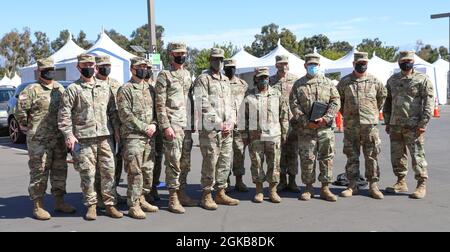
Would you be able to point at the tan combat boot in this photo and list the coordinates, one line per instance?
(112, 212)
(147, 207)
(399, 187)
(292, 186)
(308, 194)
(240, 186)
(282, 186)
(62, 207)
(375, 192)
(259, 197)
(185, 200)
(326, 194)
(351, 190)
(421, 191)
(174, 204)
(208, 201)
(273, 195)
(39, 212)
(136, 212)
(91, 214)
(223, 199)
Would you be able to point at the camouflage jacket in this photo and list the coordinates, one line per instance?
(88, 110)
(410, 100)
(239, 89)
(306, 91)
(266, 115)
(284, 85)
(213, 94)
(361, 99)
(37, 110)
(174, 100)
(137, 109)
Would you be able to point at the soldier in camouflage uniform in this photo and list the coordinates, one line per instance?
(137, 113)
(284, 81)
(362, 98)
(267, 119)
(213, 94)
(240, 139)
(37, 111)
(408, 110)
(103, 66)
(173, 95)
(87, 119)
(316, 139)
(159, 150)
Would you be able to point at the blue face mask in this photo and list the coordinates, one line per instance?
(313, 70)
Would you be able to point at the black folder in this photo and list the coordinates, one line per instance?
(318, 111)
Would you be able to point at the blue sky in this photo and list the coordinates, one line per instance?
(202, 22)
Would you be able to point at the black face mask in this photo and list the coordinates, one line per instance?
(230, 72)
(48, 74)
(141, 73)
(105, 71)
(87, 72)
(407, 66)
(180, 60)
(149, 74)
(361, 68)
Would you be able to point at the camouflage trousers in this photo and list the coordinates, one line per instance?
(178, 159)
(159, 154)
(96, 154)
(47, 159)
(270, 152)
(366, 137)
(139, 157)
(289, 154)
(117, 171)
(406, 139)
(317, 146)
(239, 146)
(216, 151)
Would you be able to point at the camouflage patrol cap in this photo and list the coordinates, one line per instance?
(86, 58)
(177, 47)
(217, 53)
(282, 59)
(312, 59)
(137, 61)
(230, 63)
(149, 63)
(103, 60)
(407, 55)
(45, 63)
(361, 57)
(262, 71)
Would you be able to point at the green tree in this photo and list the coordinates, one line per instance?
(119, 39)
(268, 39)
(428, 53)
(307, 45)
(82, 41)
(337, 50)
(62, 39)
(443, 51)
(41, 47)
(370, 46)
(16, 49)
(141, 37)
(202, 58)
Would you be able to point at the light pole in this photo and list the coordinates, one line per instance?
(446, 15)
(151, 26)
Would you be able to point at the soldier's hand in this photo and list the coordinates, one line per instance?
(169, 134)
(421, 131)
(388, 129)
(227, 128)
(151, 131)
(321, 123)
(70, 143)
(312, 126)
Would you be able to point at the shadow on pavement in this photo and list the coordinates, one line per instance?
(5, 143)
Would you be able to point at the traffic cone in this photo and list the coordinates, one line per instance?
(437, 113)
(339, 123)
(382, 118)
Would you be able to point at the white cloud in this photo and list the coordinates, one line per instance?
(406, 23)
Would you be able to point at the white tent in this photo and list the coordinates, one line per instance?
(5, 81)
(381, 68)
(68, 52)
(344, 65)
(15, 81)
(324, 62)
(120, 58)
(442, 73)
(245, 62)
